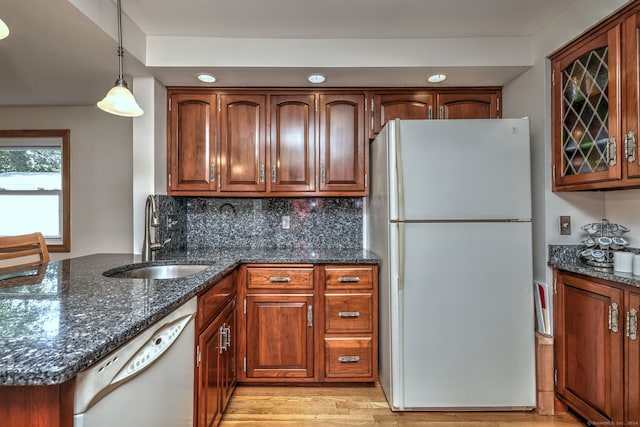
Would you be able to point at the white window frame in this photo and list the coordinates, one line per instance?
(38, 139)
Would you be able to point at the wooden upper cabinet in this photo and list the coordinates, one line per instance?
(405, 106)
(631, 58)
(293, 143)
(191, 142)
(469, 105)
(343, 152)
(595, 106)
(242, 143)
(586, 121)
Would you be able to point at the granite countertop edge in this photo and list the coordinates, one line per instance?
(567, 258)
(75, 351)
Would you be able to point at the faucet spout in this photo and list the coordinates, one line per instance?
(150, 220)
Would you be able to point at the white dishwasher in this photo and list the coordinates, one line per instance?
(148, 382)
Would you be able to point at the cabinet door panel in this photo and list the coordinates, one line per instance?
(228, 356)
(409, 106)
(242, 144)
(279, 336)
(633, 360)
(342, 143)
(293, 145)
(192, 154)
(589, 350)
(632, 95)
(467, 106)
(209, 404)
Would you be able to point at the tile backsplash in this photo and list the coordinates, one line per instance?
(221, 223)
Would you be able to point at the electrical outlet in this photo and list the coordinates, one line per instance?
(565, 225)
(286, 222)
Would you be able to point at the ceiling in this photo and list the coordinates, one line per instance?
(63, 52)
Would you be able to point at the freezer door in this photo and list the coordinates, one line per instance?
(461, 169)
(467, 316)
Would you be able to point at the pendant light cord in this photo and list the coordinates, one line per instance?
(120, 49)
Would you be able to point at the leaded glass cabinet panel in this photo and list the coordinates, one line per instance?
(586, 113)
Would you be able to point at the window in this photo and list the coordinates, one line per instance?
(34, 185)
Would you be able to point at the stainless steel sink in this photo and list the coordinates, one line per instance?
(162, 271)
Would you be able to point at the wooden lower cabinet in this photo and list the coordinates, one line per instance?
(37, 406)
(596, 355)
(279, 335)
(308, 324)
(215, 352)
(632, 357)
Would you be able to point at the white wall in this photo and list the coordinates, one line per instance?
(623, 207)
(101, 173)
(529, 95)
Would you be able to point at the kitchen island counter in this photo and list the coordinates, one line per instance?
(60, 322)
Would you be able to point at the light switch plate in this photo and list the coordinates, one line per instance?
(565, 225)
(286, 222)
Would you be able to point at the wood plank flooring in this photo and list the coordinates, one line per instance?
(281, 406)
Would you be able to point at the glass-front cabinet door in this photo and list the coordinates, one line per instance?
(586, 126)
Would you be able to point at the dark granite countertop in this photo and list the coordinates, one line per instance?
(567, 258)
(64, 320)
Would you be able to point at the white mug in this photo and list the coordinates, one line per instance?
(623, 262)
(636, 265)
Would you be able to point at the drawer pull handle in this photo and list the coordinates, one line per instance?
(348, 359)
(348, 279)
(349, 314)
(279, 279)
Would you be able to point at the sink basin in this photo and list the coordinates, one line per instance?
(163, 271)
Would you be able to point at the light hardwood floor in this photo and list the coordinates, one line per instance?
(267, 406)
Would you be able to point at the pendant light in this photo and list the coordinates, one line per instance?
(119, 99)
(4, 30)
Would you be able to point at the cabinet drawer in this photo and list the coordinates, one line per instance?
(348, 313)
(348, 358)
(348, 277)
(280, 278)
(213, 301)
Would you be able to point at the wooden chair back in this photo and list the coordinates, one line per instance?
(26, 250)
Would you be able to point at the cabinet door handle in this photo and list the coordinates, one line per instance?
(349, 314)
(221, 339)
(612, 151)
(430, 112)
(630, 146)
(273, 173)
(212, 172)
(348, 279)
(442, 112)
(279, 279)
(323, 173)
(227, 337)
(613, 317)
(348, 359)
(632, 324)
(261, 173)
(309, 315)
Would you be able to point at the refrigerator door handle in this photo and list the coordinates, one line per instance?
(399, 183)
(400, 256)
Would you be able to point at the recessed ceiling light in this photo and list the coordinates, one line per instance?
(206, 78)
(437, 78)
(316, 78)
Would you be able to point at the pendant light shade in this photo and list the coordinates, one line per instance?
(4, 30)
(119, 100)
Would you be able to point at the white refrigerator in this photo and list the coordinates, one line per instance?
(449, 214)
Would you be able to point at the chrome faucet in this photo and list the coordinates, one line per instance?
(151, 219)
